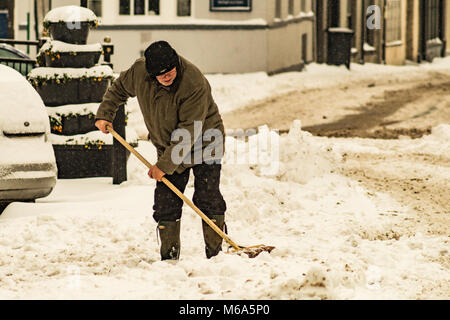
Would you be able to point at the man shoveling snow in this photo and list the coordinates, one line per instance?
(176, 102)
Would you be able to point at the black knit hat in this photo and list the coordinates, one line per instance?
(160, 58)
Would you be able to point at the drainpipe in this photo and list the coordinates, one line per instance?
(314, 29)
(36, 20)
(383, 40)
(363, 29)
(442, 22)
(28, 31)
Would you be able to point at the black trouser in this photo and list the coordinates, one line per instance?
(207, 196)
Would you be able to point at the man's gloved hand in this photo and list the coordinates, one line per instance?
(101, 125)
(156, 173)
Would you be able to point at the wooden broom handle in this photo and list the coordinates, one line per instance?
(175, 189)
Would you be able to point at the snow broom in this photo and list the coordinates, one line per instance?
(251, 251)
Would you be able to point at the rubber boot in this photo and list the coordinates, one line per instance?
(169, 232)
(213, 241)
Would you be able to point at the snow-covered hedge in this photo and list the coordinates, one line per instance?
(59, 46)
(40, 76)
(56, 53)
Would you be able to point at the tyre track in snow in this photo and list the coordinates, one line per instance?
(386, 108)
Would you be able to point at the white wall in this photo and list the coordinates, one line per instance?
(213, 51)
(267, 47)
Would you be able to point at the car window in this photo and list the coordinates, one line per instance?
(23, 68)
(8, 54)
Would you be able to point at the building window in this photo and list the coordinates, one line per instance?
(153, 7)
(334, 13)
(303, 5)
(140, 7)
(291, 7)
(305, 48)
(184, 8)
(96, 7)
(393, 21)
(432, 19)
(278, 9)
(351, 19)
(124, 7)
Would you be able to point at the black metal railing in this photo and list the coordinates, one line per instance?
(36, 43)
(23, 65)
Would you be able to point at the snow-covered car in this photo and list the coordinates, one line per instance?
(27, 163)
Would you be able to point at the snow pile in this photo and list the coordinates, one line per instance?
(72, 110)
(23, 151)
(60, 73)
(93, 240)
(440, 133)
(70, 14)
(293, 157)
(14, 112)
(59, 46)
(96, 138)
(136, 170)
(135, 118)
(303, 158)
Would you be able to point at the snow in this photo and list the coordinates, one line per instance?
(13, 114)
(50, 73)
(90, 239)
(92, 137)
(233, 91)
(28, 108)
(59, 46)
(70, 14)
(24, 151)
(72, 109)
(434, 41)
(344, 30)
(368, 47)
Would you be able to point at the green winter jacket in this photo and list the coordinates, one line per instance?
(166, 109)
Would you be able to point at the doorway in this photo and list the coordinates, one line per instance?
(432, 29)
(7, 19)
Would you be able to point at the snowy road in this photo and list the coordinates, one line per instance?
(370, 101)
